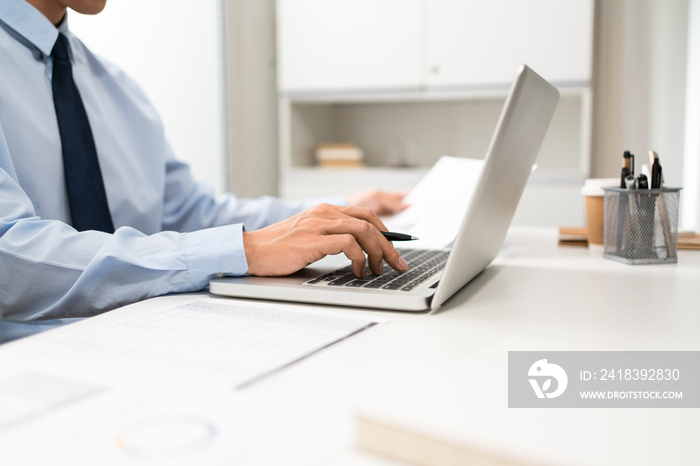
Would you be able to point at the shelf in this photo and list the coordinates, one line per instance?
(354, 173)
(551, 197)
(313, 174)
(303, 182)
(419, 95)
(422, 131)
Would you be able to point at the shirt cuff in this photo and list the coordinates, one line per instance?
(214, 251)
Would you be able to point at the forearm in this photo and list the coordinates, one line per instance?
(51, 271)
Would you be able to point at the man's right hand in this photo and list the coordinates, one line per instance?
(292, 244)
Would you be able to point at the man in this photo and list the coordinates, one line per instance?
(96, 212)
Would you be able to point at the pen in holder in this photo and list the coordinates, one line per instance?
(641, 225)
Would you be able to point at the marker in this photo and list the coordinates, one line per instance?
(392, 236)
(656, 177)
(625, 174)
(627, 167)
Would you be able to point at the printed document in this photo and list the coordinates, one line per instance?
(203, 341)
(154, 386)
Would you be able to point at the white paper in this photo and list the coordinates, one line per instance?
(157, 387)
(438, 203)
(166, 425)
(25, 394)
(203, 341)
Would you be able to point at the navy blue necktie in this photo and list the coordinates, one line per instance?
(86, 191)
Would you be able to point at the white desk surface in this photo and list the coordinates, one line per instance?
(445, 373)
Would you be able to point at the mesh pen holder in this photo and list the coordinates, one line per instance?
(641, 225)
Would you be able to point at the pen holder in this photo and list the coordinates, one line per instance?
(641, 225)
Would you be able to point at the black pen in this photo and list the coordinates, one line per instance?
(391, 236)
(627, 167)
(656, 182)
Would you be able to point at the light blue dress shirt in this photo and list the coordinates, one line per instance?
(172, 234)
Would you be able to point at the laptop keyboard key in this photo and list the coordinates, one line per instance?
(342, 280)
(422, 265)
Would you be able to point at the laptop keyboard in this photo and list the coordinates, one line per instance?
(422, 264)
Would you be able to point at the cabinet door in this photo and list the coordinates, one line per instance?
(341, 45)
(482, 43)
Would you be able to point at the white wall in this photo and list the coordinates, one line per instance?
(690, 213)
(252, 97)
(639, 84)
(174, 49)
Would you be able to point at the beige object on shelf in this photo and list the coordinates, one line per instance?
(341, 164)
(339, 155)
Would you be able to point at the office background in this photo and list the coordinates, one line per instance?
(212, 73)
(211, 69)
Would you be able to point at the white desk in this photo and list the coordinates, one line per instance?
(445, 373)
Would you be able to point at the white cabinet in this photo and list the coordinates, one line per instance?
(474, 43)
(331, 45)
(360, 45)
(426, 78)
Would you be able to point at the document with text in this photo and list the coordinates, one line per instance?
(146, 385)
(203, 341)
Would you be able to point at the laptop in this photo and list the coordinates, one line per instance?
(433, 276)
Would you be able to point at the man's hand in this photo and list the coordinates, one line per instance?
(292, 244)
(381, 202)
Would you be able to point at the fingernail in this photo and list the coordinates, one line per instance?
(381, 267)
(403, 263)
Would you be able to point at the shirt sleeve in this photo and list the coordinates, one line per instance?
(190, 205)
(49, 270)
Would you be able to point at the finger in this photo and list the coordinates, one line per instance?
(401, 203)
(335, 211)
(392, 203)
(345, 243)
(366, 235)
(392, 256)
(377, 247)
(347, 219)
(363, 214)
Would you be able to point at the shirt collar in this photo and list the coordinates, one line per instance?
(31, 24)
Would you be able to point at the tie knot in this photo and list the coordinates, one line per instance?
(61, 48)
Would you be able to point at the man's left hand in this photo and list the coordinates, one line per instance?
(381, 202)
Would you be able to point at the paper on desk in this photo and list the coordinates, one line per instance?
(166, 425)
(438, 203)
(154, 386)
(203, 341)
